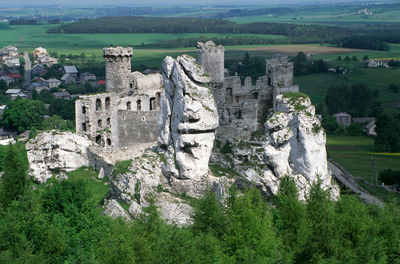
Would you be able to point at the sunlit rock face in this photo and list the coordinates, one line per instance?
(188, 118)
(295, 146)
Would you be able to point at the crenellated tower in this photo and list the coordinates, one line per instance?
(118, 68)
(211, 57)
(279, 71)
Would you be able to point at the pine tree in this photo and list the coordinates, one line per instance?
(14, 181)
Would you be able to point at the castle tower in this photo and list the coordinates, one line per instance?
(118, 68)
(212, 58)
(279, 71)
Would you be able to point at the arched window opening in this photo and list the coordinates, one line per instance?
(237, 99)
(108, 142)
(98, 105)
(84, 128)
(108, 122)
(229, 91)
(83, 109)
(128, 105)
(269, 81)
(98, 139)
(139, 105)
(108, 103)
(152, 103)
(99, 123)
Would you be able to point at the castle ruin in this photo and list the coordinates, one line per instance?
(242, 108)
(124, 120)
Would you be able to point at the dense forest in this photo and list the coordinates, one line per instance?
(60, 222)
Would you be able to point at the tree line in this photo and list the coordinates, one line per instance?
(199, 25)
(226, 41)
(355, 36)
(59, 222)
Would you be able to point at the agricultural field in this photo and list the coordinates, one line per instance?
(316, 85)
(328, 14)
(355, 153)
(31, 36)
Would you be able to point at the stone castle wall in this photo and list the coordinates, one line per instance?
(137, 127)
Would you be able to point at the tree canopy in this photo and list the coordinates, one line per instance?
(23, 114)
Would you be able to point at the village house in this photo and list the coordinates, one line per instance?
(14, 93)
(11, 51)
(53, 82)
(39, 52)
(343, 119)
(38, 87)
(39, 70)
(70, 74)
(87, 76)
(62, 95)
(47, 60)
(7, 79)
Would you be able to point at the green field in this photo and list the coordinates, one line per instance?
(356, 153)
(28, 37)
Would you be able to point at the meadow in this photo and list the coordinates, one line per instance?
(328, 14)
(317, 85)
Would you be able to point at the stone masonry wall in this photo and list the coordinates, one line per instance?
(212, 58)
(137, 127)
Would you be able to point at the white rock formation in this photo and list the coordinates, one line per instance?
(141, 183)
(54, 150)
(188, 118)
(113, 209)
(295, 146)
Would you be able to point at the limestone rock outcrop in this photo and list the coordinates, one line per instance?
(295, 146)
(55, 151)
(141, 183)
(188, 119)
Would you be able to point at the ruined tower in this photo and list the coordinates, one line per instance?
(279, 71)
(212, 58)
(118, 68)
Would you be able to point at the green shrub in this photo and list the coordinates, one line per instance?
(121, 167)
(226, 149)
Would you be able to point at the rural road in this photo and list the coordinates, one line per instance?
(28, 65)
(346, 179)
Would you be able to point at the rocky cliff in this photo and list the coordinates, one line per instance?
(179, 169)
